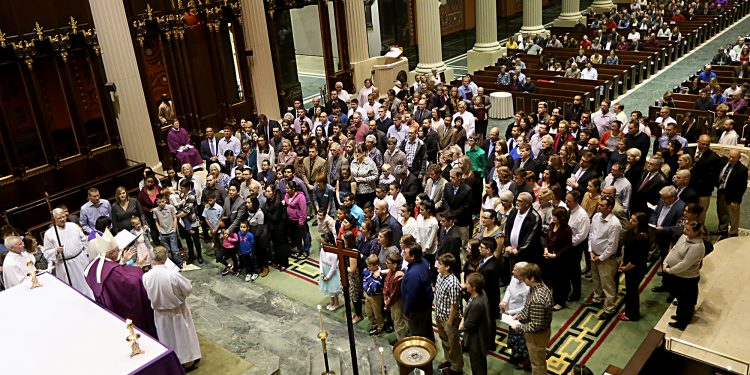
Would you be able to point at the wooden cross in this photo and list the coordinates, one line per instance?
(343, 256)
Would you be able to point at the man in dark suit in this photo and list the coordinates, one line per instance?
(476, 323)
(410, 184)
(488, 145)
(582, 173)
(637, 139)
(457, 198)
(210, 147)
(316, 105)
(266, 175)
(705, 172)
(491, 272)
(380, 137)
(265, 126)
(523, 229)
(334, 100)
(449, 242)
(646, 191)
(525, 161)
(692, 129)
(731, 187)
(519, 183)
(684, 192)
(668, 212)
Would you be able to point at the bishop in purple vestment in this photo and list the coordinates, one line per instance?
(178, 141)
(119, 287)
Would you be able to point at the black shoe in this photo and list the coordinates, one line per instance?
(659, 289)
(443, 365)
(660, 273)
(226, 271)
(586, 270)
(676, 325)
(670, 298)
(389, 329)
(200, 260)
(605, 316)
(673, 317)
(594, 304)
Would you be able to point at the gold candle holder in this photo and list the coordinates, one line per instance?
(322, 336)
(132, 338)
(32, 273)
(382, 360)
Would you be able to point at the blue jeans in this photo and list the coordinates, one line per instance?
(169, 241)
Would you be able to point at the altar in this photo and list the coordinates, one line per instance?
(54, 329)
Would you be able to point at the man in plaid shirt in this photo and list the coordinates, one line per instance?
(536, 318)
(448, 314)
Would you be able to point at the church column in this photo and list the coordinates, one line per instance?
(262, 74)
(357, 31)
(601, 6)
(486, 49)
(121, 68)
(428, 37)
(532, 17)
(570, 13)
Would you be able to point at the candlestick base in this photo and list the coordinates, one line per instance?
(328, 373)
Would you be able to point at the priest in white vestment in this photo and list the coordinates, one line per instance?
(168, 292)
(74, 249)
(15, 268)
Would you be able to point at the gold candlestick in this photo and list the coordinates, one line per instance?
(32, 272)
(382, 360)
(132, 338)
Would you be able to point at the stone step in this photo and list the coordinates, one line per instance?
(317, 364)
(264, 362)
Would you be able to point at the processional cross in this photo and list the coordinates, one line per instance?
(343, 255)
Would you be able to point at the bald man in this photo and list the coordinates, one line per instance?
(731, 187)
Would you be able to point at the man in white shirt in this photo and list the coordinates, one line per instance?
(589, 72)
(621, 184)
(397, 130)
(732, 90)
(602, 119)
(603, 245)
(355, 108)
(229, 142)
(729, 136)
(580, 224)
(15, 265)
(371, 103)
(665, 118)
(468, 117)
(619, 110)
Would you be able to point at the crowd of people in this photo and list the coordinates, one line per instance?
(442, 211)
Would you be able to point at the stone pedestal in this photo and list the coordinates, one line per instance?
(569, 15)
(262, 74)
(121, 68)
(428, 37)
(532, 17)
(486, 50)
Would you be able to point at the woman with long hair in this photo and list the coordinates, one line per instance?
(491, 198)
(427, 229)
(355, 276)
(489, 227)
(407, 220)
(296, 210)
(147, 199)
(633, 263)
(123, 209)
(264, 151)
(557, 257)
(591, 196)
(287, 156)
(684, 161)
(473, 258)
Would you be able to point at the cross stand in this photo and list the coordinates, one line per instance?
(343, 255)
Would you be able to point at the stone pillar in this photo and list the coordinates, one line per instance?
(486, 50)
(428, 37)
(601, 6)
(262, 74)
(570, 13)
(121, 68)
(356, 30)
(532, 17)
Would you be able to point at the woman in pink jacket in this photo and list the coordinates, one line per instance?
(296, 210)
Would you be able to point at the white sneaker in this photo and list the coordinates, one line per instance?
(248, 278)
(254, 277)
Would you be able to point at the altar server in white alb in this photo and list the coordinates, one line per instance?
(15, 268)
(74, 249)
(168, 292)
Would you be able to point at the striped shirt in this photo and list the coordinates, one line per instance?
(447, 293)
(536, 315)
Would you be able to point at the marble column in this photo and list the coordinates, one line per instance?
(356, 30)
(428, 37)
(601, 6)
(262, 74)
(532, 17)
(121, 68)
(570, 13)
(486, 26)
(486, 50)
